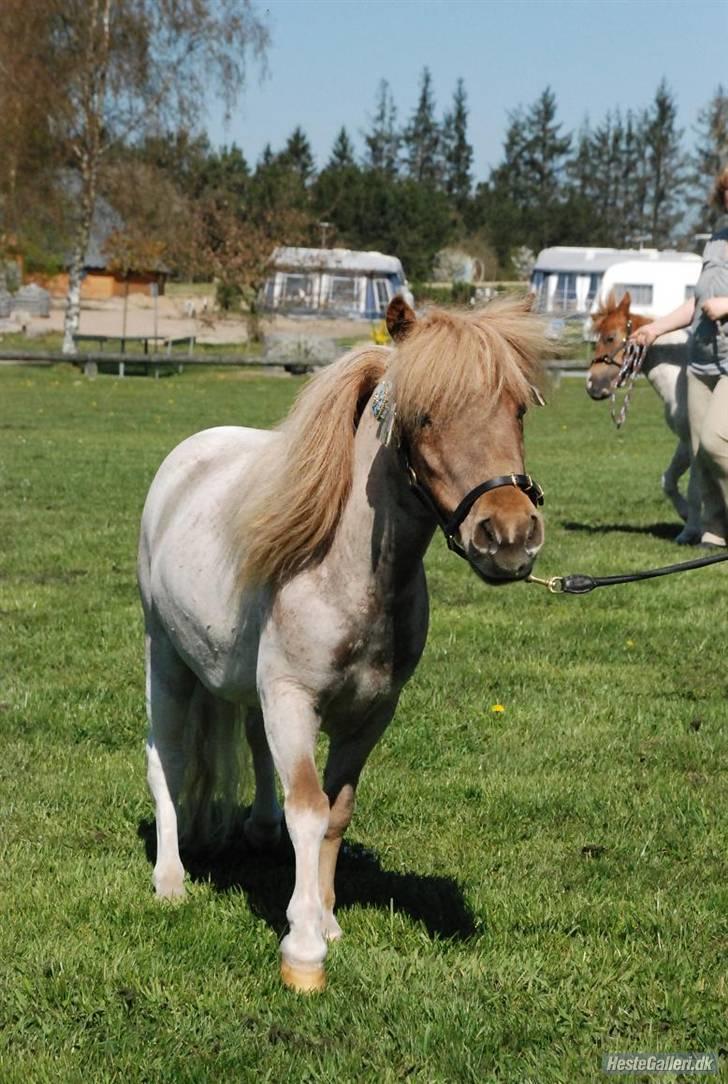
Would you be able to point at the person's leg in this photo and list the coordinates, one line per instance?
(714, 453)
(700, 394)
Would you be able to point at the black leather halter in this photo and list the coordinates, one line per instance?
(450, 524)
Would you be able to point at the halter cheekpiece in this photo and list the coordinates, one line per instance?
(385, 411)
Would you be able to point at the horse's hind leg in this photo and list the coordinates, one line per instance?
(263, 826)
(169, 687)
(673, 473)
(689, 509)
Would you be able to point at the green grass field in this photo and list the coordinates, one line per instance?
(523, 889)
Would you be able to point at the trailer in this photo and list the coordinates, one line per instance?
(656, 284)
(334, 282)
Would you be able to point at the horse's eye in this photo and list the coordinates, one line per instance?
(425, 421)
(610, 338)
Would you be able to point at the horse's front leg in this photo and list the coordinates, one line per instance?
(291, 726)
(347, 756)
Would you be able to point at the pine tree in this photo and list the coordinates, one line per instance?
(422, 137)
(297, 155)
(665, 166)
(632, 185)
(342, 152)
(457, 152)
(383, 141)
(545, 155)
(711, 154)
(227, 171)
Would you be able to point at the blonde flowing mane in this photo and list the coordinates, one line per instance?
(289, 521)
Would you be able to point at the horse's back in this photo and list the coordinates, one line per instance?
(211, 460)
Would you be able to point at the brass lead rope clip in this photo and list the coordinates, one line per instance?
(555, 584)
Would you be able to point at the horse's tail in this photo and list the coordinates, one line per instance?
(215, 760)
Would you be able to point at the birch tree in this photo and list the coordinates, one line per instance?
(127, 67)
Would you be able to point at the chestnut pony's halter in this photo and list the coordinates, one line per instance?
(629, 368)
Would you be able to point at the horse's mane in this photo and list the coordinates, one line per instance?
(291, 516)
(289, 520)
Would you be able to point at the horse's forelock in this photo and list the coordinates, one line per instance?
(450, 356)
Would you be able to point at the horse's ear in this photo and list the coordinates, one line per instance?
(625, 303)
(400, 318)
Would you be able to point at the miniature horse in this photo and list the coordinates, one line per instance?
(665, 368)
(282, 583)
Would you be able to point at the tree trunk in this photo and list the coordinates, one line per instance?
(88, 149)
(75, 271)
(73, 302)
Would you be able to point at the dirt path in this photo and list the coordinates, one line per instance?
(174, 319)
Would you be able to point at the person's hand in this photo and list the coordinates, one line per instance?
(715, 308)
(644, 336)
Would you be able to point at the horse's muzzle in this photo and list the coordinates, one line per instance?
(504, 548)
(599, 384)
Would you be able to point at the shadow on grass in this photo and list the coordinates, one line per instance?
(266, 878)
(666, 531)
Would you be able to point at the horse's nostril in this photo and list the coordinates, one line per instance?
(489, 532)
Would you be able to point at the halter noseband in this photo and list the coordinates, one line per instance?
(450, 525)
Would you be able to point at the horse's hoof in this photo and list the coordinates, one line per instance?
(688, 537)
(304, 980)
(169, 887)
(262, 835)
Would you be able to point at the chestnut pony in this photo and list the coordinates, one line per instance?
(283, 587)
(665, 368)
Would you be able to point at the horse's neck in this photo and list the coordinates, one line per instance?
(384, 532)
(662, 361)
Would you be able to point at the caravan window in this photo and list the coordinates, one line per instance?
(537, 279)
(382, 294)
(297, 288)
(594, 281)
(342, 291)
(565, 296)
(640, 293)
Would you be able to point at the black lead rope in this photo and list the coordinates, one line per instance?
(578, 584)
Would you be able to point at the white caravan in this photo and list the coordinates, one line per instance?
(657, 283)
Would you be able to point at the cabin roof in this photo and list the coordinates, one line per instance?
(291, 258)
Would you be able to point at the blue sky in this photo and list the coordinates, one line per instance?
(328, 56)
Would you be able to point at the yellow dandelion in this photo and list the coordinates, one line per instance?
(497, 707)
(630, 643)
